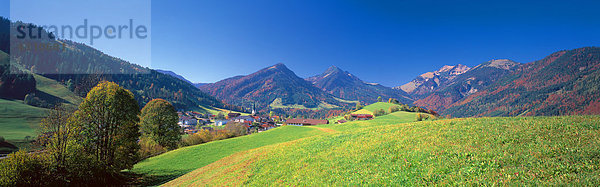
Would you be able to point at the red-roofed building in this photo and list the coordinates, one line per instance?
(362, 116)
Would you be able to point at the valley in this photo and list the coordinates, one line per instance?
(300, 93)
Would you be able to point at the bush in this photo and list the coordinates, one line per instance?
(150, 148)
(201, 136)
(192, 139)
(358, 106)
(236, 129)
(394, 108)
(205, 135)
(221, 135)
(348, 117)
(379, 112)
(23, 169)
(419, 117)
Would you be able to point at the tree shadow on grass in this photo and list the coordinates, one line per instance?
(145, 179)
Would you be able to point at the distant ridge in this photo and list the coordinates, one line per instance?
(171, 73)
(273, 86)
(563, 83)
(428, 82)
(459, 84)
(345, 85)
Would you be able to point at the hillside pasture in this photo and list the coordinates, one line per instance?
(170, 165)
(476, 151)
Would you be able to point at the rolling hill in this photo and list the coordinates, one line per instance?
(170, 165)
(275, 86)
(342, 84)
(563, 83)
(173, 164)
(392, 149)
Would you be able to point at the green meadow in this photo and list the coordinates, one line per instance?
(170, 165)
(18, 120)
(369, 109)
(395, 150)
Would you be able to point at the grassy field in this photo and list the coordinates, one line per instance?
(393, 118)
(178, 162)
(369, 109)
(215, 111)
(323, 105)
(56, 89)
(18, 120)
(386, 151)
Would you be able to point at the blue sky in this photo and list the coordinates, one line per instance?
(388, 42)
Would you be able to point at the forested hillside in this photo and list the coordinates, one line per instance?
(81, 67)
(564, 83)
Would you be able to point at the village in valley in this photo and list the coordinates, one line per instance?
(191, 121)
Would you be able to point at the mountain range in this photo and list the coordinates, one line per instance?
(426, 83)
(180, 77)
(173, 74)
(565, 82)
(455, 86)
(275, 86)
(342, 84)
(499, 87)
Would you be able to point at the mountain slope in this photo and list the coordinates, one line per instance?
(274, 86)
(563, 83)
(344, 85)
(82, 67)
(467, 83)
(428, 82)
(173, 74)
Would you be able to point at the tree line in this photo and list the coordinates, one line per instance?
(93, 143)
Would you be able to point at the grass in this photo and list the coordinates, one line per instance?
(178, 162)
(56, 89)
(393, 118)
(18, 120)
(369, 109)
(385, 151)
(215, 111)
(277, 103)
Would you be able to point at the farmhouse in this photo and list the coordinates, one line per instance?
(305, 122)
(186, 120)
(362, 116)
(243, 119)
(221, 122)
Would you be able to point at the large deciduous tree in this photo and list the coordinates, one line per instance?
(158, 121)
(108, 118)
